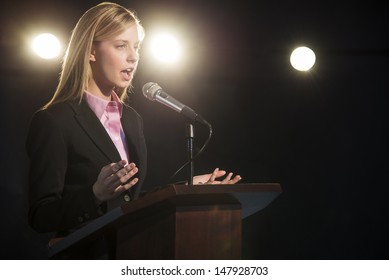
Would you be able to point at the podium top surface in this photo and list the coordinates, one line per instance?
(252, 197)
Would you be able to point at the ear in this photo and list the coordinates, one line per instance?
(92, 56)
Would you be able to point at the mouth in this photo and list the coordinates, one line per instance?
(127, 73)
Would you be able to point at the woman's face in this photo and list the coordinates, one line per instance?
(113, 62)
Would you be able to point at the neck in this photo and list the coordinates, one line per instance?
(99, 91)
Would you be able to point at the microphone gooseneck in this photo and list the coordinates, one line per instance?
(154, 92)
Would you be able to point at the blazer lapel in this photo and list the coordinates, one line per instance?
(95, 130)
(133, 130)
(132, 135)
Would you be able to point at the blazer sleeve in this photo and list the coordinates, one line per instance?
(54, 205)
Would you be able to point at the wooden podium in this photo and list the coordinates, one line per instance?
(176, 222)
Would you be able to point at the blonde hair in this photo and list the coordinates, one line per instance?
(101, 22)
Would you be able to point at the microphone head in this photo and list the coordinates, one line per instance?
(150, 90)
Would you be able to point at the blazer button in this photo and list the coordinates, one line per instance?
(80, 219)
(126, 197)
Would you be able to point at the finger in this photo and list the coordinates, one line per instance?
(111, 168)
(117, 166)
(131, 183)
(220, 173)
(119, 169)
(235, 180)
(128, 175)
(227, 179)
(213, 175)
(129, 167)
(126, 170)
(121, 177)
(119, 189)
(106, 171)
(127, 186)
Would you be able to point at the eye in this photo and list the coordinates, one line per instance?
(122, 46)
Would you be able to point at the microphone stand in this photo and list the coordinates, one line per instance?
(190, 139)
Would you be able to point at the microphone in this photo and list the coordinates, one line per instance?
(154, 92)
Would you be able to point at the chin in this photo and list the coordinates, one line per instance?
(123, 84)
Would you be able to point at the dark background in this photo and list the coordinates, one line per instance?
(323, 135)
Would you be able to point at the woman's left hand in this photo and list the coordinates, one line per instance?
(210, 179)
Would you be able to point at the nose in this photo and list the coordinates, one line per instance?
(133, 55)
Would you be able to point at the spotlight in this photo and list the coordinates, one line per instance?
(165, 48)
(46, 45)
(302, 59)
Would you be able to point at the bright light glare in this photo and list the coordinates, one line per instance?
(46, 46)
(302, 59)
(165, 48)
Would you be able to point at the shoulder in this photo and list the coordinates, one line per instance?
(56, 116)
(59, 111)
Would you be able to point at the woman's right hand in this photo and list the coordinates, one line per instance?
(114, 179)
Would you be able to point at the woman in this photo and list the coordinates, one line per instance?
(86, 145)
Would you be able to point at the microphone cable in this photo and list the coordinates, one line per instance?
(195, 156)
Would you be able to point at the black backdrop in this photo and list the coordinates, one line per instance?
(323, 135)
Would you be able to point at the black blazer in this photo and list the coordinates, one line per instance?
(67, 146)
